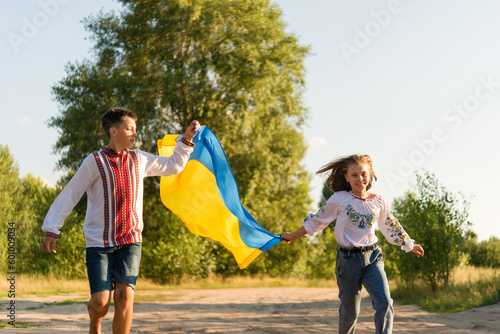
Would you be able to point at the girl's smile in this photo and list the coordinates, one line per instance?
(358, 176)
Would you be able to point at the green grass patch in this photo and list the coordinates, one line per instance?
(83, 300)
(18, 324)
(471, 287)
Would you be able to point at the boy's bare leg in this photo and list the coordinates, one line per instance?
(98, 307)
(124, 308)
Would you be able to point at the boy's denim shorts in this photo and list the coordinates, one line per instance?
(107, 265)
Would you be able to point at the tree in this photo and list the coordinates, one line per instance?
(437, 220)
(9, 199)
(228, 63)
(326, 193)
(23, 205)
(9, 185)
(485, 253)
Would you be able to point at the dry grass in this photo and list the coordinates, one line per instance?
(468, 274)
(470, 287)
(27, 285)
(236, 282)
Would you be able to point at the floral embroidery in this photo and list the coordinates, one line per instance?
(398, 234)
(360, 220)
(316, 215)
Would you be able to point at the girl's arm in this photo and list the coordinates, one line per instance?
(417, 249)
(314, 223)
(395, 234)
(291, 237)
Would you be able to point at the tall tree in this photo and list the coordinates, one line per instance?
(228, 63)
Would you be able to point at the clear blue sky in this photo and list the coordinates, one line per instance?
(414, 84)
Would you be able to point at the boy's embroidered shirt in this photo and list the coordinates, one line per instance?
(114, 194)
(121, 223)
(356, 221)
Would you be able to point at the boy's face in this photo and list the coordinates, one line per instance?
(124, 135)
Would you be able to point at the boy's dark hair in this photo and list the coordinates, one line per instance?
(338, 167)
(113, 117)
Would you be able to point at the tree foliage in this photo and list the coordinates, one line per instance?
(485, 253)
(436, 219)
(23, 206)
(229, 64)
(9, 198)
(326, 193)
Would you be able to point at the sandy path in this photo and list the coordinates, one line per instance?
(239, 311)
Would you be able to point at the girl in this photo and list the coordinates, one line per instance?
(359, 259)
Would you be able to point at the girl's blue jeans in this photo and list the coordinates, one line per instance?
(354, 270)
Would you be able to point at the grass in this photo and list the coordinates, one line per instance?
(41, 286)
(83, 300)
(237, 282)
(18, 324)
(471, 287)
(45, 286)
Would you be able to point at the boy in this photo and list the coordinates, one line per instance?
(113, 222)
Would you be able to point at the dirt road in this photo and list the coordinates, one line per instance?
(243, 311)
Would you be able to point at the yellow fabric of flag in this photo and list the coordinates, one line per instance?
(205, 196)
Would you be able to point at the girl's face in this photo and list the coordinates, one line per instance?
(358, 176)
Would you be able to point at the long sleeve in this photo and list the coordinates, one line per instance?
(67, 199)
(166, 166)
(317, 222)
(393, 231)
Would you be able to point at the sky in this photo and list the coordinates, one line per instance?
(413, 84)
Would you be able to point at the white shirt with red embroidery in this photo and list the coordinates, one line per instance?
(356, 221)
(114, 194)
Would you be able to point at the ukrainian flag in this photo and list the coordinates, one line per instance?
(205, 196)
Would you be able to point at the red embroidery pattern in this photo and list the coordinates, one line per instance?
(53, 235)
(108, 158)
(105, 236)
(121, 221)
(136, 229)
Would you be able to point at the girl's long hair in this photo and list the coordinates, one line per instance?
(336, 180)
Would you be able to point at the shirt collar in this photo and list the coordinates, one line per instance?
(114, 154)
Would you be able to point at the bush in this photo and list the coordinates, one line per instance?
(437, 220)
(485, 253)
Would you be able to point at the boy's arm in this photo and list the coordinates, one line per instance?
(64, 204)
(191, 131)
(174, 164)
(49, 244)
(156, 165)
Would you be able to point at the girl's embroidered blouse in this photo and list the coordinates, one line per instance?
(356, 219)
